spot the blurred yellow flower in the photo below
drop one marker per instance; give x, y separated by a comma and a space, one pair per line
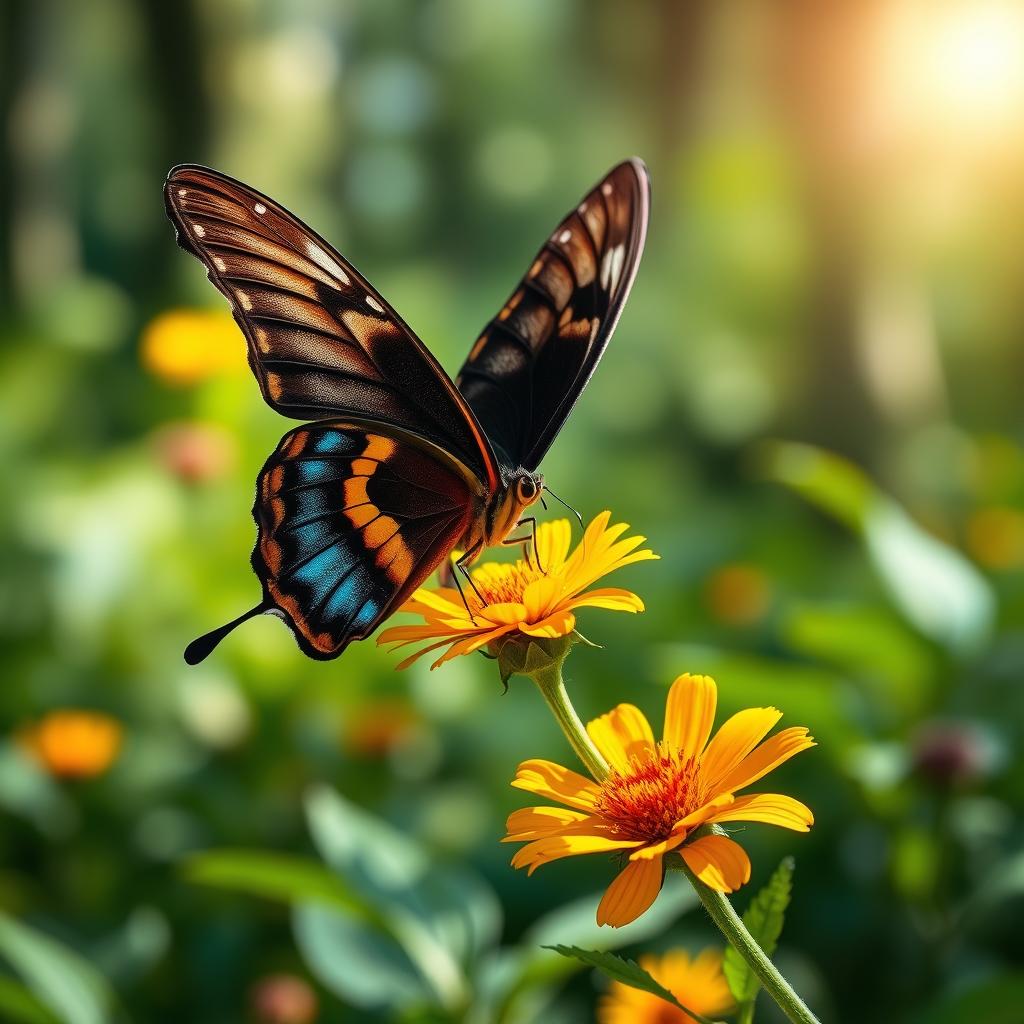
184, 346
519, 597
995, 537
657, 795
697, 983
74, 744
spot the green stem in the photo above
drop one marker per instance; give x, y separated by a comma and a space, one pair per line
746, 1014
729, 924
552, 688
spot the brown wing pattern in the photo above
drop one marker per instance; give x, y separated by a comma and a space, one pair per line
528, 367
322, 341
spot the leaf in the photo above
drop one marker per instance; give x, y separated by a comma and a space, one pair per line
275, 876
61, 979
935, 587
19, 1006
360, 965
628, 972
763, 919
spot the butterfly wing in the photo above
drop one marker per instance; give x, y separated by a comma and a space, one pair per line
528, 367
351, 521
322, 341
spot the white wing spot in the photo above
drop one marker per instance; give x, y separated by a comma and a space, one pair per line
219, 264
582, 208
244, 300
260, 209
606, 188
565, 236
374, 304
182, 192
611, 266
199, 229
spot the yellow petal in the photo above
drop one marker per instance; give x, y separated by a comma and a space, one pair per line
541, 596
536, 822
634, 889
444, 600
737, 737
560, 622
718, 862
621, 735
553, 539
610, 598
547, 779
469, 644
543, 851
508, 614
776, 749
773, 808
690, 713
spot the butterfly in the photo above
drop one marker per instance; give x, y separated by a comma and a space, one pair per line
397, 465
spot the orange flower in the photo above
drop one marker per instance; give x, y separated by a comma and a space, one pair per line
657, 795
184, 346
520, 598
75, 744
697, 983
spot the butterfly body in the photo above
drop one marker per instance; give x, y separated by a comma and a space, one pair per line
400, 465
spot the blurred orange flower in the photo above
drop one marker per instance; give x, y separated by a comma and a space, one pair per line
697, 983
74, 744
738, 595
519, 597
185, 346
657, 795
995, 537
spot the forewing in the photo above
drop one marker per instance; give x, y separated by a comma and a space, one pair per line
528, 367
351, 521
322, 341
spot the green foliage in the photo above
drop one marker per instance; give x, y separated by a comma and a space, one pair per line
57, 976
628, 972
764, 919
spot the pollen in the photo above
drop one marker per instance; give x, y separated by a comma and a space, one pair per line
645, 801
504, 584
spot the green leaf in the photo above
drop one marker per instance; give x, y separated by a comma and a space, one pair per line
274, 876
19, 1006
934, 586
60, 979
763, 918
628, 972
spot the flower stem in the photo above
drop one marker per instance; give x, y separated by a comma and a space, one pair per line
552, 688
729, 924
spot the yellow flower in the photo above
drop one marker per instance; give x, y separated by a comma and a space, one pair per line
184, 346
521, 598
697, 983
74, 744
658, 794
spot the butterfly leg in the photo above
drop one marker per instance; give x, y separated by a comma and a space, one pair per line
526, 542
460, 565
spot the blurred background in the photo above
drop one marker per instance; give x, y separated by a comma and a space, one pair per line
812, 408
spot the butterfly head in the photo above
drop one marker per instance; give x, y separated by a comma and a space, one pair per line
528, 487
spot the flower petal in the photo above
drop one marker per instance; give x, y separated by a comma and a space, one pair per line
621, 735
543, 851
559, 623
610, 598
634, 889
773, 808
541, 596
737, 737
545, 778
509, 613
690, 713
776, 749
553, 540
530, 823
469, 644
718, 862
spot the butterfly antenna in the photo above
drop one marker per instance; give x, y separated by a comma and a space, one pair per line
573, 511
201, 647
544, 504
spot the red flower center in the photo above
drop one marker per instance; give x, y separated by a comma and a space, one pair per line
647, 800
